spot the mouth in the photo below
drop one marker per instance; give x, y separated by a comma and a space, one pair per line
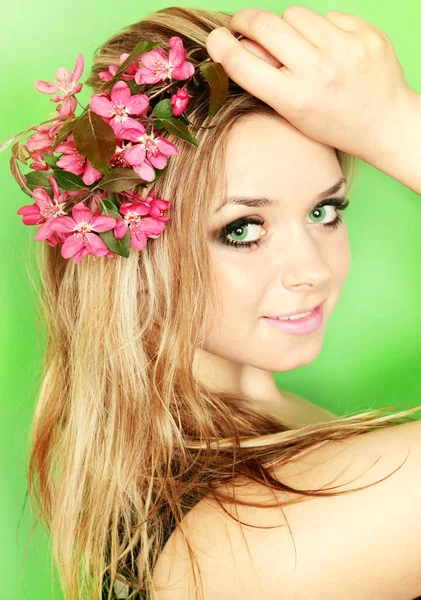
298, 324
297, 314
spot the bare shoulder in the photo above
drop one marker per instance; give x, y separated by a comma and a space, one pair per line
362, 545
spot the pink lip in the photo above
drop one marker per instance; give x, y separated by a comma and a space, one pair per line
301, 326
296, 312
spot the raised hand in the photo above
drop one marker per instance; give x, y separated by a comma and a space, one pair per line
336, 78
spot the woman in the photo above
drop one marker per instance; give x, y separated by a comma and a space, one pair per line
158, 392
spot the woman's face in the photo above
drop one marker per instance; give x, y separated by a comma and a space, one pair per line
300, 262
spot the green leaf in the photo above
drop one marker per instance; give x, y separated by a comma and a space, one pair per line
64, 132
51, 160
94, 139
120, 180
139, 49
215, 75
109, 204
36, 179
158, 124
196, 81
160, 172
162, 110
180, 129
69, 181
119, 246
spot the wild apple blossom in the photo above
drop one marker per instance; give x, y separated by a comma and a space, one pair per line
148, 152
117, 108
179, 102
157, 66
44, 212
82, 227
66, 84
138, 223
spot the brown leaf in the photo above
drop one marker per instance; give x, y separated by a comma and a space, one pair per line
94, 139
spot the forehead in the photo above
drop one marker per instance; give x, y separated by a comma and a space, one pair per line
266, 155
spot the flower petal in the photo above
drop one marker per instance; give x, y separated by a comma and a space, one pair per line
183, 72
145, 170
95, 245
120, 93
73, 244
81, 254
120, 229
63, 224
81, 213
133, 134
158, 160
152, 227
138, 104
177, 54
44, 231
30, 214
138, 239
135, 155
91, 174
45, 87
102, 223
166, 147
101, 105
78, 70
63, 77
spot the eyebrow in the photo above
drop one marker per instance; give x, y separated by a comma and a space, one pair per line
259, 202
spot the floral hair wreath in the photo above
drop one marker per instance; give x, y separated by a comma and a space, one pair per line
93, 162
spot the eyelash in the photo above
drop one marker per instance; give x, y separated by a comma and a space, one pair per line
339, 203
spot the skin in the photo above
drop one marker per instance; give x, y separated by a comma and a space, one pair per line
300, 262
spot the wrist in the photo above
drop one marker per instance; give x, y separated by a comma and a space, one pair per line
396, 148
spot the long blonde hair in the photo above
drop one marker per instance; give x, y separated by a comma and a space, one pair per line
123, 436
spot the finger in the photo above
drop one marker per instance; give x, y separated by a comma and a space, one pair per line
347, 21
250, 72
279, 38
260, 52
317, 29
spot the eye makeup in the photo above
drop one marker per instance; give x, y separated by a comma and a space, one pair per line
222, 236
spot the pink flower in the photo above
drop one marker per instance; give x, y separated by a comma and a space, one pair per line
43, 137
149, 152
66, 84
140, 226
76, 163
67, 108
158, 67
157, 206
39, 163
179, 102
117, 160
82, 240
45, 211
116, 110
128, 74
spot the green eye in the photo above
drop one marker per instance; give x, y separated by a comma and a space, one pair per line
320, 213
235, 233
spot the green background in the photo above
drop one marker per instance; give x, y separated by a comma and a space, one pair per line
372, 348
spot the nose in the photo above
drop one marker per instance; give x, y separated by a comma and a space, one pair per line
303, 266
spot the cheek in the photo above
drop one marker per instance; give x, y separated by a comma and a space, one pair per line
340, 259
239, 289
